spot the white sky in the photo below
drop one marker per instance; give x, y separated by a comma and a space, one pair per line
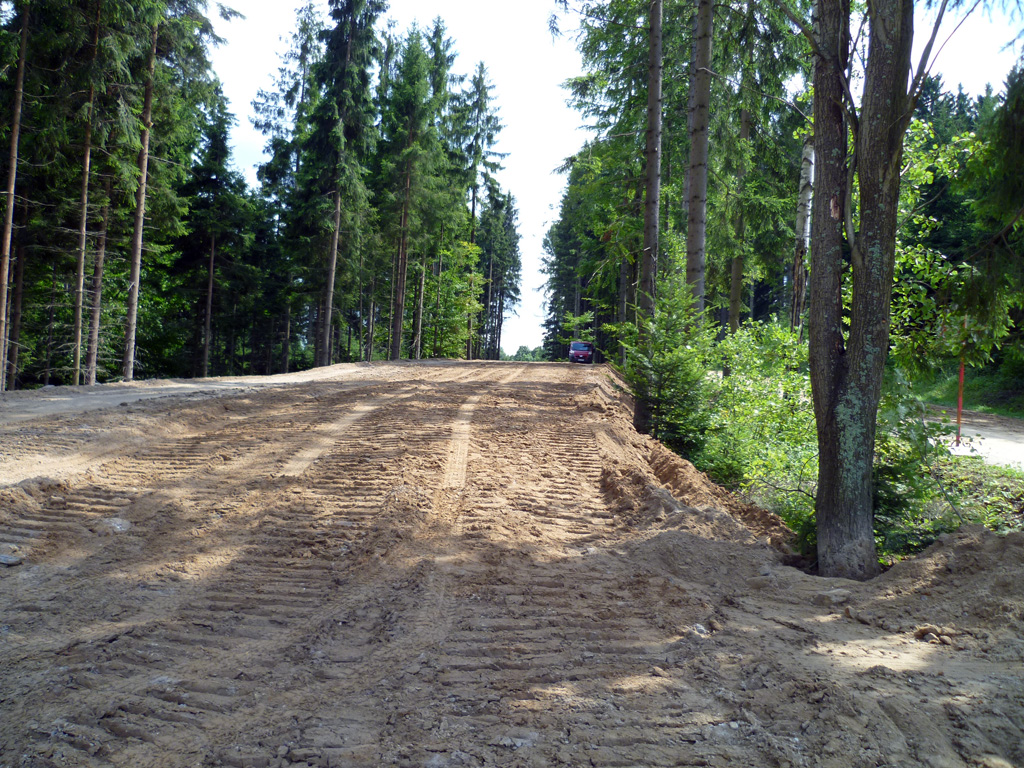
527, 69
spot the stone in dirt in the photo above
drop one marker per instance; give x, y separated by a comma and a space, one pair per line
10, 560
111, 525
833, 597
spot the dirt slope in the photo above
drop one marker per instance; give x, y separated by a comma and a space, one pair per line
457, 565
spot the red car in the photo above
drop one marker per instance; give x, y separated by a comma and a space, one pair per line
581, 352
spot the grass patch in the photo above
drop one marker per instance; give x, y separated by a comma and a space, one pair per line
988, 390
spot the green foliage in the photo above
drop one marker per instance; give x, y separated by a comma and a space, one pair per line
996, 388
667, 366
762, 439
526, 355
351, 112
452, 297
577, 328
990, 495
906, 446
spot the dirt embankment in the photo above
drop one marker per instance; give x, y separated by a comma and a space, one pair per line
457, 565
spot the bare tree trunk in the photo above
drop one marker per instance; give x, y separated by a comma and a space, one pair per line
128, 366
362, 308
318, 336
488, 318
371, 323
82, 242
736, 285
827, 345
652, 195
83, 220
97, 293
437, 310
12, 176
15, 320
469, 319
287, 340
846, 372
625, 276
401, 269
500, 318
472, 212
418, 338
49, 327
802, 228
332, 263
698, 173
208, 316
846, 544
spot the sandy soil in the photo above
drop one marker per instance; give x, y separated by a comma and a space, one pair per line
456, 565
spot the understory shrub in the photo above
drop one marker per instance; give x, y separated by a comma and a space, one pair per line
741, 411
667, 365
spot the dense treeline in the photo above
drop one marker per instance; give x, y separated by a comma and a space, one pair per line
133, 248
593, 250
959, 241
832, 244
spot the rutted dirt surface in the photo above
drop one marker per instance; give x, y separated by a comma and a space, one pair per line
457, 565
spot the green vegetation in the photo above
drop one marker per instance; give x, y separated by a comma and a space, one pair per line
752, 430
526, 355
377, 230
995, 389
813, 417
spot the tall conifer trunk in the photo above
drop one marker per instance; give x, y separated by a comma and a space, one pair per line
417, 342
208, 315
12, 176
697, 185
83, 219
332, 264
469, 318
97, 292
501, 320
401, 267
437, 308
51, 322
128, 362
371, 322
652, 195
16, 314
286, 352
488, 325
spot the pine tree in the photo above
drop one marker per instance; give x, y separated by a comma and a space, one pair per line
409, 153
12, 176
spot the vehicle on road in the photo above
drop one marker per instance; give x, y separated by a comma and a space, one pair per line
581, 352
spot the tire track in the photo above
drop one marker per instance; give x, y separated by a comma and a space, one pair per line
301, 548
546, 660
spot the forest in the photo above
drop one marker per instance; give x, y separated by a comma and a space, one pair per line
132, 246
783, 226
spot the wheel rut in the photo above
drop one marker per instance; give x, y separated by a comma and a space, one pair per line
285, 588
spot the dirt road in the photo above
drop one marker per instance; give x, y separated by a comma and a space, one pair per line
996, 439
457, 565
